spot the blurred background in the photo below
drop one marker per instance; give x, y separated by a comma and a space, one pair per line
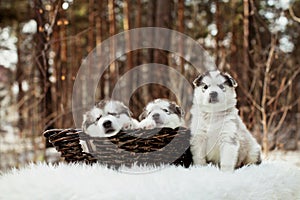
43, 42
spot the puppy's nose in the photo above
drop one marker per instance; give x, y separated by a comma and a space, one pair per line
155, 116
213, 95
106, 124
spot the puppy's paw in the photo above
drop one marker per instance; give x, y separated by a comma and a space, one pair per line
147, 124
127, 126
227, 168
199, 162
133, 124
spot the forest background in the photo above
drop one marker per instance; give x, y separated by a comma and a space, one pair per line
43, 43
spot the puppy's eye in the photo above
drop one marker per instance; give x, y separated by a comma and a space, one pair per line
97, 119
222, 87
205, 87
114, 114
165, 110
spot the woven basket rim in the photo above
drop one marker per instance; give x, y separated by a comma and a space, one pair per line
67, 141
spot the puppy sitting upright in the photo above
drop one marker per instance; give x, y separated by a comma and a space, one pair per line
161, 113
218, 134
107, 118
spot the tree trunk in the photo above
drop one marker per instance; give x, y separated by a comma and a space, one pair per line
219, 28
99, 22
181, 30
129, 57
42, 48
99, 37
162, 19
113, 70
127, 26
151, 23
20, 77
91, 26
246, 42
138, 23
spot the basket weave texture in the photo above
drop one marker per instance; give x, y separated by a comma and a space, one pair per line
142, 147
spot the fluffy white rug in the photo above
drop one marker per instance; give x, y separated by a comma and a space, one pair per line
270, 180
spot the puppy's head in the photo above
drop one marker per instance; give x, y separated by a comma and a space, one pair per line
164, 112
215, 91
106, 119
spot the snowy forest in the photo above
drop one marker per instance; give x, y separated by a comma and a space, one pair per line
44, 42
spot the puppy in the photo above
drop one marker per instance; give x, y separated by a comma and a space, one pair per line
218, 134
107, 118
161, 113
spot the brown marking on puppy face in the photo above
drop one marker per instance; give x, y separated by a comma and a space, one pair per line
229, 80
125, 110
120, 107
198, 81
143, 115
91, 117
174, 108
88, 121
101, 104
162, 104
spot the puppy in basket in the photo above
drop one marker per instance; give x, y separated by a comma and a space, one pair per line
161, 113
107, 118
218, 134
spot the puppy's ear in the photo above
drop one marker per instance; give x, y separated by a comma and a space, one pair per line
130, 113
229, 80
143, 115
87, 121
126, 110
176, 109
101, 104
179, 111
197, 82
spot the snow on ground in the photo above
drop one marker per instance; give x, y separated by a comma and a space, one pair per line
16, 150
292, 157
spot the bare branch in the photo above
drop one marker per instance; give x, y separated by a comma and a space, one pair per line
286, 109
267, 71
282, 89
294, 17
42, 70
257, 35
49, 31
258, 17
249, 96
264, 94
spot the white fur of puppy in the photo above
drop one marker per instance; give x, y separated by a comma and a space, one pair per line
107, 118
161, 113
218, 134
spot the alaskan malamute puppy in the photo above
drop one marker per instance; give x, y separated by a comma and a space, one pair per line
161, 113
107, 118
218, 134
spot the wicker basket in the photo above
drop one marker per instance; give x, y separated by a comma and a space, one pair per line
150, 147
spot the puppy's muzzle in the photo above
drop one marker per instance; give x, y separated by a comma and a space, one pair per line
213, 97
156, 118
107, 125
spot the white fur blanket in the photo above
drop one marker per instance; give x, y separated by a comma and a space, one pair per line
270, 180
